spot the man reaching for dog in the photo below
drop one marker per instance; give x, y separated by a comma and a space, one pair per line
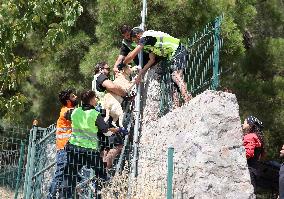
127, 46
163, 45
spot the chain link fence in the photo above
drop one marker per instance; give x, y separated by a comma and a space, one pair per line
12, 161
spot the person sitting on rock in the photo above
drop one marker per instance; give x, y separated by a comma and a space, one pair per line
253, 141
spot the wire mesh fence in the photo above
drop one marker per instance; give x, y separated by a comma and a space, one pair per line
12, 161
72, 172
201, 70
160, 176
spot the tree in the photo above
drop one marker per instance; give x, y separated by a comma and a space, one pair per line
18, 19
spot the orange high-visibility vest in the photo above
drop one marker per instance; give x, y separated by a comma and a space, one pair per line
63, 129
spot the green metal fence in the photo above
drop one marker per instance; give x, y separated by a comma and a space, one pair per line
12, 161
202, 69
41, 163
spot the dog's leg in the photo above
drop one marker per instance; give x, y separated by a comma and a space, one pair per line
107, 115
120, 121
114, 120
117, 112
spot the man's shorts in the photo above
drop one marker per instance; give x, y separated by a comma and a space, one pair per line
180, 59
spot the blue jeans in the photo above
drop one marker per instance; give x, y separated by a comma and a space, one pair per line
57, 181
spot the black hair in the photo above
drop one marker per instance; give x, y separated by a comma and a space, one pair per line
99, 66
64, 96
86, 96
124, 29
135, 31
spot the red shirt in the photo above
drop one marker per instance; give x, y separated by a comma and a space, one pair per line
251, 141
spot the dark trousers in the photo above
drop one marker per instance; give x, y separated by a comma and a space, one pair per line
253, 177
281, 182
67, 175
56, 183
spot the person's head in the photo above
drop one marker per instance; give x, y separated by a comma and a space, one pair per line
126, 31
68, 98
127, 70
136, 34
252, 125
102, 67
89, 97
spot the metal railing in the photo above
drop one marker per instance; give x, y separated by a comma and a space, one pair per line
202, 69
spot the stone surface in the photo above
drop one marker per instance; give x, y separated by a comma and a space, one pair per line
209, 159
151, 95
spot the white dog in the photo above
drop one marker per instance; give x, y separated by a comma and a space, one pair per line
112, 102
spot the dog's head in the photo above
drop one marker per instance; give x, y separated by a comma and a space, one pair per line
129, 70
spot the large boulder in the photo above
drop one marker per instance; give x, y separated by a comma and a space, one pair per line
209, 159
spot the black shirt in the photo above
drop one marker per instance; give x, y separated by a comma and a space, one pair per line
124, 50
99, 83
150, 41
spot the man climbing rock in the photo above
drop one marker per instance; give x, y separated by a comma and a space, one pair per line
161, 44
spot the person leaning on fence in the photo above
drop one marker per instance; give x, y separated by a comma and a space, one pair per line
63, 131
253, 141
84, 146
101, 82
281, 176
127, 46
163, 45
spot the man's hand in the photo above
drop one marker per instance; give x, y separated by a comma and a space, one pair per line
121, 65
282, 152
116, 71
122, 131
138, 79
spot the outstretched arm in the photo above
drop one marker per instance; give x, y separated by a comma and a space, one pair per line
133, 54
145, 68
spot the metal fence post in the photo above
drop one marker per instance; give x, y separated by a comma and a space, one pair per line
19, 172
170, 172
31, 163
28, 164
215, 82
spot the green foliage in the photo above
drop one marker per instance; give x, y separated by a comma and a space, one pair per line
270, 19
53, 18
259, 87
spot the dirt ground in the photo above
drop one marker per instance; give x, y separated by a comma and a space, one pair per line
6, 193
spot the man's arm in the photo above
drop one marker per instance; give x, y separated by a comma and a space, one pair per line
133, 54
118, 61
103, 127
145, 68
101, 124
110, 86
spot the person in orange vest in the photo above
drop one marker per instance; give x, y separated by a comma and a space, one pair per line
63, 132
